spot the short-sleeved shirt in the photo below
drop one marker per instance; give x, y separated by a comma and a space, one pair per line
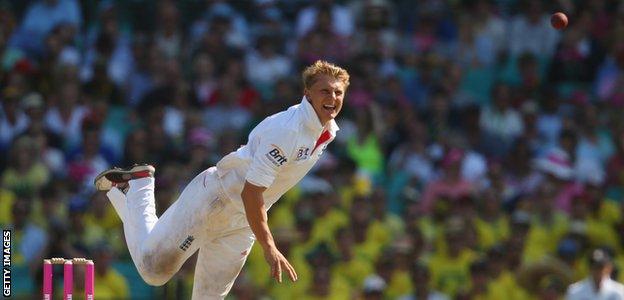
279, 152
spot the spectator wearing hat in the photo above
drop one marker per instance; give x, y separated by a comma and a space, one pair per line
598, 285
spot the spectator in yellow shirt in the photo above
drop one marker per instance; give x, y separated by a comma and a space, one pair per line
354, 268
397, 280
363, 232
548, 226
503, 283
26, 174
450, 267
491, 224
392, 224
328, 216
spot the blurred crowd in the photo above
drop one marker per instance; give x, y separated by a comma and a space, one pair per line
480, 156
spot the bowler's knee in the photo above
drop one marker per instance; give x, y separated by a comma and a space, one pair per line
153, 279
157, 269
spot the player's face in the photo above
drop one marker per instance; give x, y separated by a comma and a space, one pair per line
326, 96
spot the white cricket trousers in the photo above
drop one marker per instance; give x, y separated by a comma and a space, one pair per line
201, 218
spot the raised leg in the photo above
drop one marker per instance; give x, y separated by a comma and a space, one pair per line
159, 247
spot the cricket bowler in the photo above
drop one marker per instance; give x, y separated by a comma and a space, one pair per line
223, 210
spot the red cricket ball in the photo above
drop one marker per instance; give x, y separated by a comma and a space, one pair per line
559, 20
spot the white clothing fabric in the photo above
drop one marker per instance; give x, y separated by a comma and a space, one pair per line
584, 290
279, 152
69, 129
202, 218
209, 214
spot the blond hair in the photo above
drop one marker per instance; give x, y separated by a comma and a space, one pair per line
321, 67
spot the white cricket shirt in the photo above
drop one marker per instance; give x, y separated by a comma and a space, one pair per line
584, 290
279, 152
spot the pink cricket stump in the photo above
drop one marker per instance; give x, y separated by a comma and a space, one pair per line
68, 280
89, 280
47, 279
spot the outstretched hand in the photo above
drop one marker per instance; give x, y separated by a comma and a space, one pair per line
279, 263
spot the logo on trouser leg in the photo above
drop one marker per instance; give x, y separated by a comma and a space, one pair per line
187, 243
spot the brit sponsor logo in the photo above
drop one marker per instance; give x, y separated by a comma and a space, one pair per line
276, 156
187, 243
6, 263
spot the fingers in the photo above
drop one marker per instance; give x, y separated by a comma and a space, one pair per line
279, 263
274, 270
291, 271
279, 272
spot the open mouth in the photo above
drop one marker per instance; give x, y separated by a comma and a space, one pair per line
329, 108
